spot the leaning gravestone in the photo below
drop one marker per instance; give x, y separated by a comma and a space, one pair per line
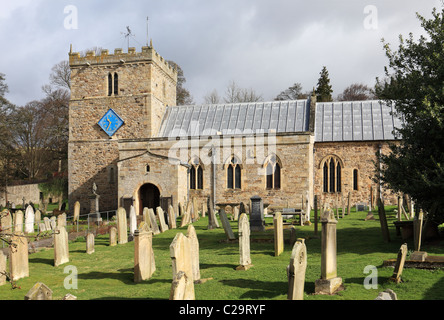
39, 291
144, 265
122, 227
212, 220
296, 271
244, 243
90, 243
18, 257
278, 234
194, 244
153, 221
383, 221
180, 252
257, 222
226, 224
179, 287
161, 217
61, 248
29, 219
399, 266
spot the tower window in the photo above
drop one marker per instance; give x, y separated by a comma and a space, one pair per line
110, 84
113, 84
116, 84
355, 179
332, 174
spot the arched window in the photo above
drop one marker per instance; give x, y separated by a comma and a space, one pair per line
116, 84
273, 174
110, 84
196, 175
234, 174
355, 179
332, 174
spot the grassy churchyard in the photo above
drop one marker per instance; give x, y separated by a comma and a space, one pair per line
108, 273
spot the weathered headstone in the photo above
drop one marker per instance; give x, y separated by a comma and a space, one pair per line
257, 222
76, 216
179, 286
296, 271
387, 295
194, 244
293, 236
329, 282
235, 213
61, 248
39, 291
278, 224
349, 203
18, 221
47, 224
161, 217
244, 243
61, 220
186, 217
180, 252
153, 221
171, 217
383, 221
132, 221
2, 268
212, 220
113, 236
18, 257
90, 243
144, 265
417, 230
399, 266
122, 227
38, 217
53, 222
226, 224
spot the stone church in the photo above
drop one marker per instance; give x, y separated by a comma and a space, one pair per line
128, 137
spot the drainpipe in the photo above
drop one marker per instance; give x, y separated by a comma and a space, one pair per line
213, 154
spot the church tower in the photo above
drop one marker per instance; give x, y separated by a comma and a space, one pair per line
114, 97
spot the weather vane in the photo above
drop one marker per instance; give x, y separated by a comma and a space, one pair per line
128, 34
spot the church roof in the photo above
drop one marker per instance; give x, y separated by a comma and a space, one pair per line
237, 118
355, 121
334, 121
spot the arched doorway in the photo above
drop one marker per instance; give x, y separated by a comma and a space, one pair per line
149, 197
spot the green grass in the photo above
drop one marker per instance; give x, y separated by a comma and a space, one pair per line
108, 272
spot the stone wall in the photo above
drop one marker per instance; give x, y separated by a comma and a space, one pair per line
352, 155
31, 193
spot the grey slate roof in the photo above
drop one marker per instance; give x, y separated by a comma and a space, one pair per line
334, 121
354, 121
242, 118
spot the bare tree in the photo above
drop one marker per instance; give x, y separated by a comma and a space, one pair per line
212, 97
61, 75
235, 94
356, 92
292, 93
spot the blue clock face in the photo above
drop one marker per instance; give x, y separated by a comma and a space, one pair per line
110, 122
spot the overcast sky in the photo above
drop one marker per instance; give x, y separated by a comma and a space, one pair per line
260, 44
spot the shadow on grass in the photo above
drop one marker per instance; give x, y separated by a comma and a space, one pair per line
42, 261
222, 265
436, 292
258, 289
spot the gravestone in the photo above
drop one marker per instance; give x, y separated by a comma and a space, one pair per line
5, 221
257, 222
144, 265
38, 217
226, 224
61, 220
18, 257
194, 244
179, 287
235, 213
90, 243
53, 222
18, 221
329, 282
47, 223
29, 219
122, 227
186, 217
387, 295
161, 217
417, 230
153, 221
61, 248
383, 221
212, 220
180, 253
278, 224
293, 236
296, 271
76, 216
3, 266
244, 243
399, 266
171, 217
132, 221
146, 216
112, 236
39, 291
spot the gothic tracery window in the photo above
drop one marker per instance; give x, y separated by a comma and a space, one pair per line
196, 175
273, 174
234, 174
332, 175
